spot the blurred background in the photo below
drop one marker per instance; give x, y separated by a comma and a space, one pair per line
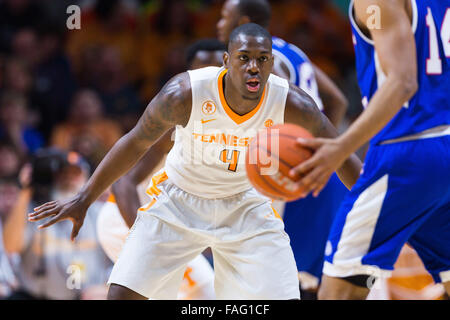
66, 96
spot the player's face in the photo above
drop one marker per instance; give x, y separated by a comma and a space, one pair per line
249, 63
207, 59
228, 21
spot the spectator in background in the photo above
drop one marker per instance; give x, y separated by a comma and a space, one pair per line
86, 130
15, 15
162, 39
109, 24
52, 267
25, 46
9, 160
205, 53
54, 83
120, 100
14, 126
2, 69
9, 191
18, 78
173, 62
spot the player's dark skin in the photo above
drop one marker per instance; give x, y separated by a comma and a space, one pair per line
248, 57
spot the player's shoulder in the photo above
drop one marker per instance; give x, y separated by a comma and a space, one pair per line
176, 91
299, 99
205, 73
278, 82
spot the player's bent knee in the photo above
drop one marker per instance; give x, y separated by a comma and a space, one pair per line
447, 287
360, 280
118, 292
348, 288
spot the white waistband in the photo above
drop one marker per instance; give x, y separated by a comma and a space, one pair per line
439, 131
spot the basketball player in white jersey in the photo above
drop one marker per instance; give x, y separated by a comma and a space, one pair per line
203, 198
119, 212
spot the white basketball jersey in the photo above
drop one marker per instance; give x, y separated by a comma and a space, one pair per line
208, 157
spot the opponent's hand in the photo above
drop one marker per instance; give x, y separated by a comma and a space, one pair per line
328, 156
73, 210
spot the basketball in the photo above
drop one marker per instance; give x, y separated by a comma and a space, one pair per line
271, 154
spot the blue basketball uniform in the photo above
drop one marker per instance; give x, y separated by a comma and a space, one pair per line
403, 194
301, 70
308, 221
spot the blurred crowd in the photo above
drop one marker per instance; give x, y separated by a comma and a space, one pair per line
66, 96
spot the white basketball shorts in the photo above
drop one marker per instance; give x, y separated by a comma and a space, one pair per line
252, 255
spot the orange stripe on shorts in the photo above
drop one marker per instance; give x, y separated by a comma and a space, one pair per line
156, 179
148, 206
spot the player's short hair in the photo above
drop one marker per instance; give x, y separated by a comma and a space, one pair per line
258, 11
249, 29
209, 45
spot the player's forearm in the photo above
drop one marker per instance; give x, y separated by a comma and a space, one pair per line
334, 108
124, 189
349, 172
121, 158
335, 103
127, 199
15, 224
385, 104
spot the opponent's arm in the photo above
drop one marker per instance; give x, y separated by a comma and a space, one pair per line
396, 50
335, 103
302, 110
124, 189
395, 46
170, 107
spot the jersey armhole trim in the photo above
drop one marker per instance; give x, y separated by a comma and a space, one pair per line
288, 64
415, 19
192, 102
355, 25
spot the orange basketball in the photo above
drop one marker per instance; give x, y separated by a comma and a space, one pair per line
271, 154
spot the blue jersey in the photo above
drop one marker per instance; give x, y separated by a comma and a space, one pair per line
430, 106
300, 68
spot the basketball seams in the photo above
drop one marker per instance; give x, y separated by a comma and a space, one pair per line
267, 183
280, 184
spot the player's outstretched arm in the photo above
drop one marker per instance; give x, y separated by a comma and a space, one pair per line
302, 110
124, 189
170, 107
395, 46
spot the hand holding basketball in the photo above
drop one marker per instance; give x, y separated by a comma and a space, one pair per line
328, 156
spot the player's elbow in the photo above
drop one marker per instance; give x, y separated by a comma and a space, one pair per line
408, 85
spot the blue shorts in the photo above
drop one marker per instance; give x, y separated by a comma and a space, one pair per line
308, 222
403, 195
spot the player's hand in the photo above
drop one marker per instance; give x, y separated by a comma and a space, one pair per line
328, 156
73, 210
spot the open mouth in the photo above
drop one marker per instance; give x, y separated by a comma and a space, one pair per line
253, 85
